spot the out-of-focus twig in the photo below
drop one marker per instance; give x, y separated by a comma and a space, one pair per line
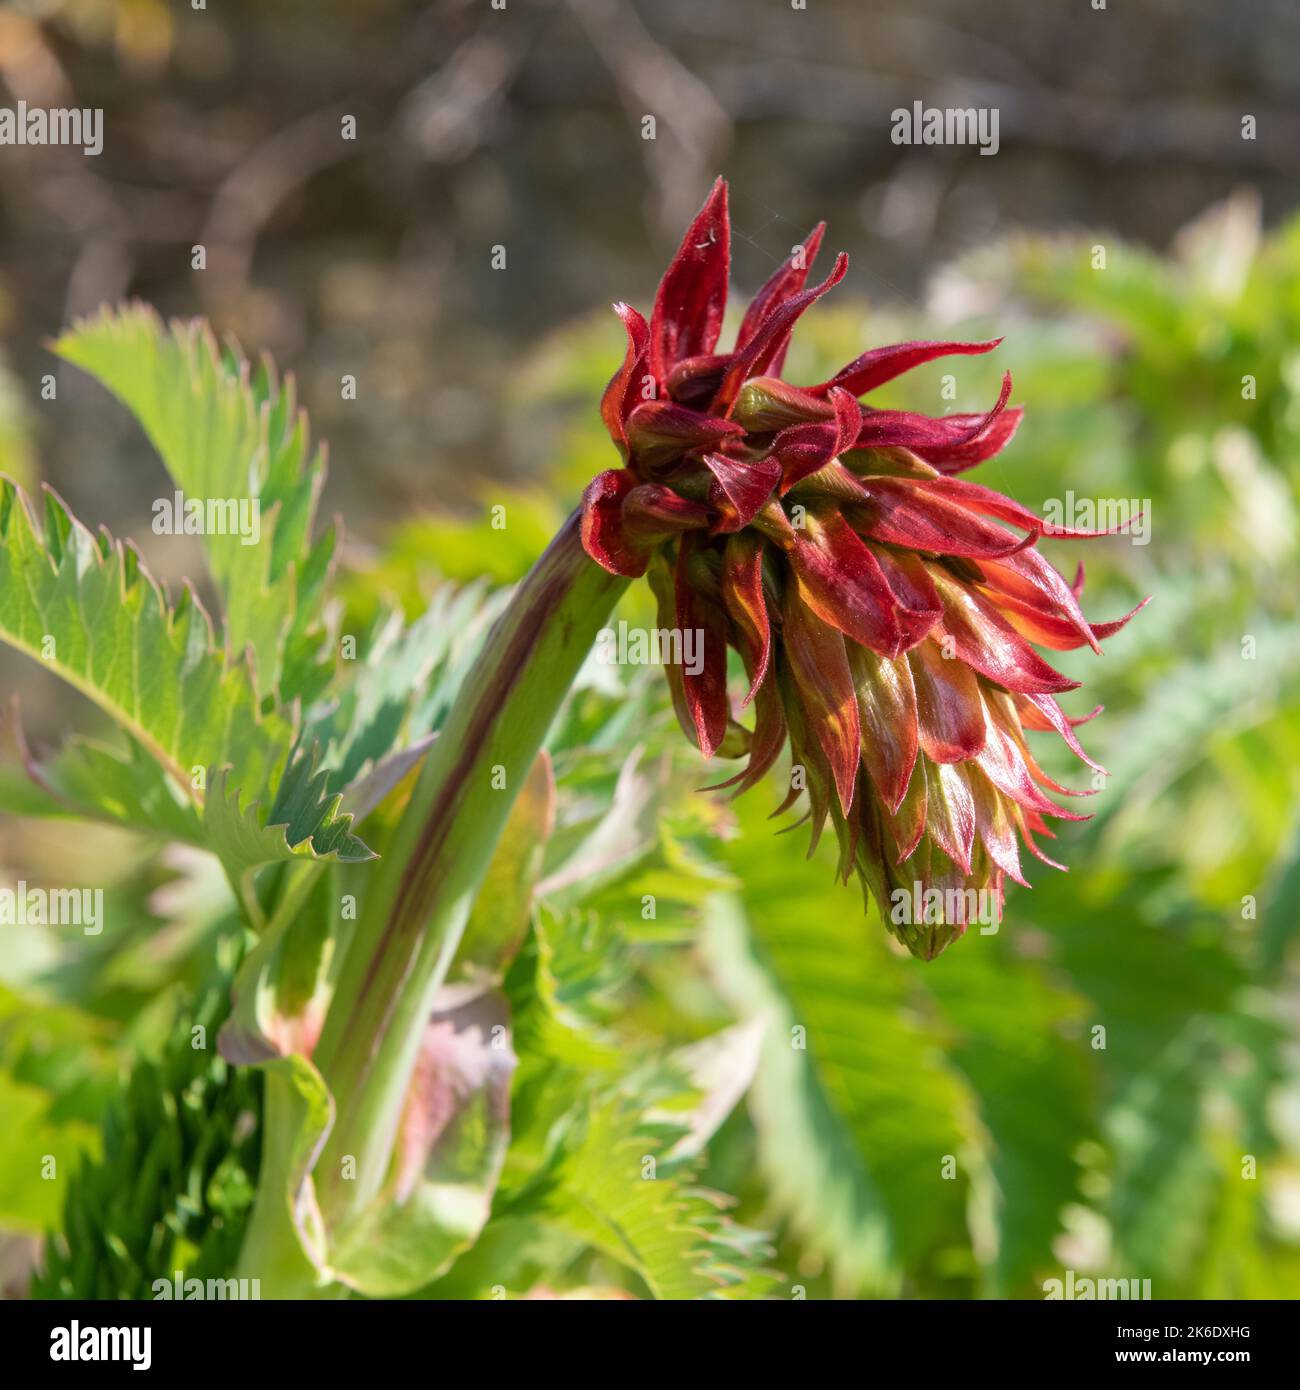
652, 81
445, 116
1192, 131
250, 194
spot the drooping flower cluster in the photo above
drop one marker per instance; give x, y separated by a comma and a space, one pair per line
882, 607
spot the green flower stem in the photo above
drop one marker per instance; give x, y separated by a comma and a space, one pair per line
416, 909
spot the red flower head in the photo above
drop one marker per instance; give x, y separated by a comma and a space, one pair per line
882, 607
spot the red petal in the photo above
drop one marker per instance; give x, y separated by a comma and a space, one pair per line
772, 337
950, 811
1109, 629
1081, 533
1049, 630
820, 667
897, 512
1035, 583
660, 432
705, 690
840, 580
990, 440
692, 295
949, 709
620, 394
653, 513
1055, 716
694, 381
887, 428
918, 607
1046, 629
1031, 718
785, 282
807, 447
802, 450
739, 488
1006, 763
848, 418
992, 646
997, 830
766, 742
1043, 780
977, 498
887, 713
742, 593
907, 823
604, 534
883, 364
1026, 825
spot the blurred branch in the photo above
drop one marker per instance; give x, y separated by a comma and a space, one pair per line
652, 81
1195, 132
446, 116
248, 197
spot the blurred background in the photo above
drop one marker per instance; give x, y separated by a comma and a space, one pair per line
1167, 372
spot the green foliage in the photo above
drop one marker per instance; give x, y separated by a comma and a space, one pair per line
86, 606
602, 1187
226, 430
173, 1189
1105, 1084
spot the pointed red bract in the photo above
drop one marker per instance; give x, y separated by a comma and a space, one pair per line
983, 443
883, 364
1055, 717
917, 606
896, 511
950, 811
604, 535
740, 488
990, 645
821, 670
661, 433
785, 282
692, 295
772, 336
950, 714
705, 689
621, 393
742, 593
887, 705
653, 513
840, 580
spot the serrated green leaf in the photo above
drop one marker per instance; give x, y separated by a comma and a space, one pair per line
87, 609
90, 780
226, 430
304, 823
608, 1187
